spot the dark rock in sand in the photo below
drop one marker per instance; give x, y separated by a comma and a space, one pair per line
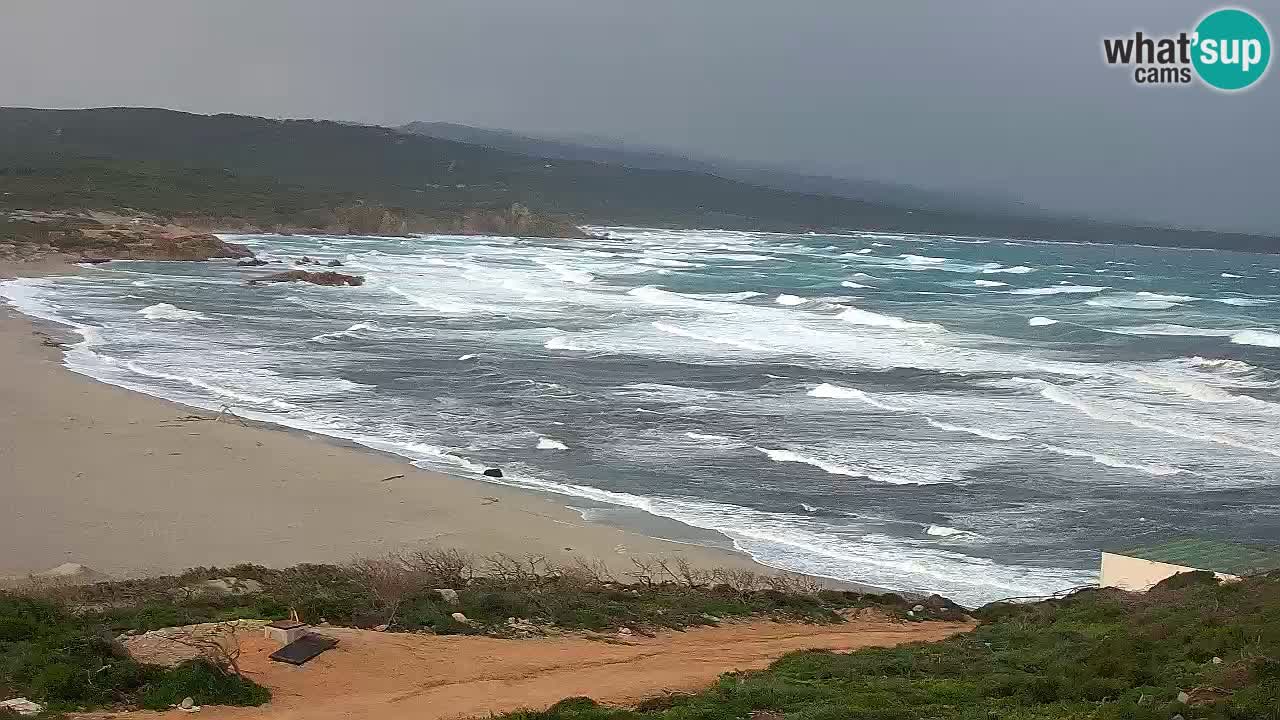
315, 278
493, 472
252, 262
94, 260
334, 263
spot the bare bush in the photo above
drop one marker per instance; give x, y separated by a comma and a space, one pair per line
218, 644
739, 580
446, 565
388, 579
522, 571
588, 573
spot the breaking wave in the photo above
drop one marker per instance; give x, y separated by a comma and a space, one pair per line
165, 311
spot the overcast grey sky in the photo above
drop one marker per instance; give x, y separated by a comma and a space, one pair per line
986, 95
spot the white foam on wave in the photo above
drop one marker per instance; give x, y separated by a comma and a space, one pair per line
1223, 364
716, 339
1015, 270
854, 316
730, 296
1131, 303
1105, 413
1231, 275
165, 311
468, 356
353, 331
854, 285
922, 259
1170, 329
1114, 462
785, 299
560, 343
668, 262
944, 531
549, 444
219, 390
790, 456
1243, 302
708, 437
1039, 321
442, 306
1259, 338
1059, 290
990, 283
568, 274
837, 392
666, 298
1166, 297
988, 434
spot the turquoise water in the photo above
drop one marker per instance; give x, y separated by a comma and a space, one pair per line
969, 416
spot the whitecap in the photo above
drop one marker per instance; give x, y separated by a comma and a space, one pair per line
165, 311
1170, 329
1231, 275
470, 356
988, 434
1243, 302
1058, 290
1039, 321
708, 437
854, 316
922, 259
944, 531
559, 343
790, 456
990, 283
1015, 270
668, 262
1105, 413
1112, 461
549, 444
1163, 296
716, 339
1259, 338
1131, 303
837, 392
785, 299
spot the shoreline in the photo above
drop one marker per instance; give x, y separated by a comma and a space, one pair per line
126, 484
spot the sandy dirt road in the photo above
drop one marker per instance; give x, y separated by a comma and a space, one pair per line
380, 676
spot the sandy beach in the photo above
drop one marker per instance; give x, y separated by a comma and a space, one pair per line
128, 484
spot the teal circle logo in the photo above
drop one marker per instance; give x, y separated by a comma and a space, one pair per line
1231, 49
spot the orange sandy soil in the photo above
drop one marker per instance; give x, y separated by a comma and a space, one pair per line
387, 676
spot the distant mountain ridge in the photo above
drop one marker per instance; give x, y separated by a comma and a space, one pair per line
282, 172
617, 152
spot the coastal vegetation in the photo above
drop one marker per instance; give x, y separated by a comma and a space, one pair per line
62, 645
229, 171
1191, 646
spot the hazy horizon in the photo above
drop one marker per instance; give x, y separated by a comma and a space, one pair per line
991, 98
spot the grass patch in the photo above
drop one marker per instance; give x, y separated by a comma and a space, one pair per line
1098, 654
70, 662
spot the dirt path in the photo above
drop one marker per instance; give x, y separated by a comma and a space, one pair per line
379, 676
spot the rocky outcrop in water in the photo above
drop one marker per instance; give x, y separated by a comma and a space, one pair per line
315, 278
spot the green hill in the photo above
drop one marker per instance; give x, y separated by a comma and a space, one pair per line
276, 170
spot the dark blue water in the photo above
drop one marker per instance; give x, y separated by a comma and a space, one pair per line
973, 417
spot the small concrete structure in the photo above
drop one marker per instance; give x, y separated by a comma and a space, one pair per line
285, 631
1138, 569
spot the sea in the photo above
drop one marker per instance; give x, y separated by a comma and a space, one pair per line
975, 417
